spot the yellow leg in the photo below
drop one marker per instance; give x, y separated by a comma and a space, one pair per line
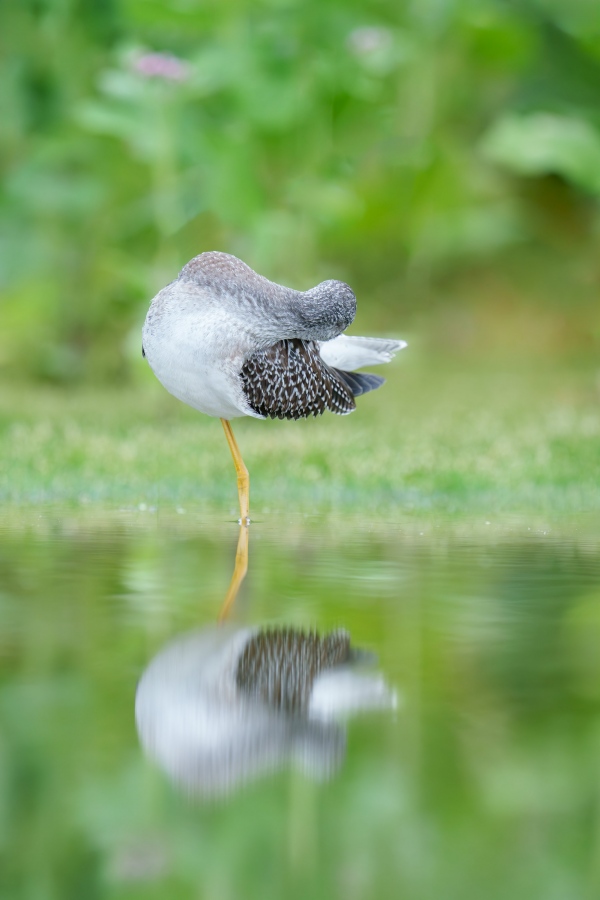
243, 479
239, 573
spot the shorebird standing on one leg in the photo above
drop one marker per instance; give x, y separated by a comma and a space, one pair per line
231, 343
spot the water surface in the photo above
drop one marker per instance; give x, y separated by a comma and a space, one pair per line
482, 779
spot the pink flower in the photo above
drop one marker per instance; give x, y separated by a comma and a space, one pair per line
161, 65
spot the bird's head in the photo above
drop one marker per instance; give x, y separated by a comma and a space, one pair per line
327, 310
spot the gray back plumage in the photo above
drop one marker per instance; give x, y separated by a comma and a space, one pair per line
318, 314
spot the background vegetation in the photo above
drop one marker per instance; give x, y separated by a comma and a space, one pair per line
440, 155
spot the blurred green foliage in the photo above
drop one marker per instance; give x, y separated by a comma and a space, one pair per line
427, 151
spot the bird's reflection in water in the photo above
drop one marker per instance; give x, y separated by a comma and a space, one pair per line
219, 707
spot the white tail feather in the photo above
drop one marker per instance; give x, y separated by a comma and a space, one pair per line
349, 353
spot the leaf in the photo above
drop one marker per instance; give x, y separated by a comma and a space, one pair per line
545, 143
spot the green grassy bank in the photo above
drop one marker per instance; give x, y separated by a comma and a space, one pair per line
434, 438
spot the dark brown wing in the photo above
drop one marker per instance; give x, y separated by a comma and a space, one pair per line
290, 381
279, 665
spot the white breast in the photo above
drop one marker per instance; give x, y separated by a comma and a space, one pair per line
197, 357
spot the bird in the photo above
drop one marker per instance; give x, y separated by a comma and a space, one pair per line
219, 706
228, 342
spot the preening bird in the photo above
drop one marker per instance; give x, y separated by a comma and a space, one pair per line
231, 343
218, 707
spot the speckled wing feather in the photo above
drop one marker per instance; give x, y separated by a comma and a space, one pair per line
280, 665
290, 381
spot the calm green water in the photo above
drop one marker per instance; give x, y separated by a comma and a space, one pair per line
484, 781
